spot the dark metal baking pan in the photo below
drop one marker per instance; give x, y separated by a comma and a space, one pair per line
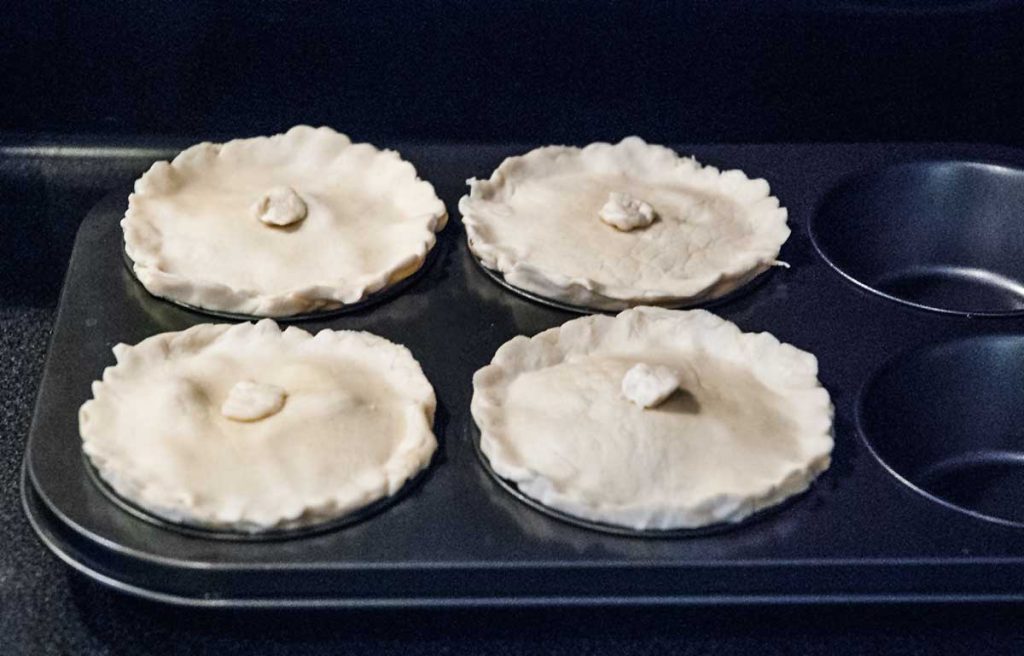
459, 538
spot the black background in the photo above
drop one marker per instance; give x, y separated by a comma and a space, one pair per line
521, 70
503, 70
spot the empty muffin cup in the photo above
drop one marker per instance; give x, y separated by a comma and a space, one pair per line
946, 236
948, 421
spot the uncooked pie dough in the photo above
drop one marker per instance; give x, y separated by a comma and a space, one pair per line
612, 226
276, 226
748, 425
247, 427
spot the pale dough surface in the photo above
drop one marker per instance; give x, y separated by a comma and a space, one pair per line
750, 426
356, 424
192, 235
536, 221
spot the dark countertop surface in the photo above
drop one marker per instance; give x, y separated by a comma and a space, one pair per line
45, 608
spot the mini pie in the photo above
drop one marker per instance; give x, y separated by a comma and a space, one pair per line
247, 427
276, 226
612, 226
560, 417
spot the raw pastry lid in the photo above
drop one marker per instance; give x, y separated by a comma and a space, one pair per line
367, 222
750, 427
173, 430
536, 220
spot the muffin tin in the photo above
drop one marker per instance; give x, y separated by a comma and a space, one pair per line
922, 501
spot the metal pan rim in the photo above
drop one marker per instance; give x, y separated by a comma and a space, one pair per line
496, 276
237, 535
376, 298
614, 529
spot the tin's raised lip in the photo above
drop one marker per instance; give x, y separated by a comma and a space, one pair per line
270, 535
377, 298
924, 307
740, 291
473, 433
